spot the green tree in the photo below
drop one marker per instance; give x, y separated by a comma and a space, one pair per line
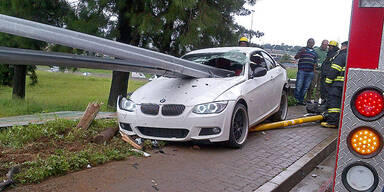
285, 58
86, 16
175, 27
50, 12
172, 26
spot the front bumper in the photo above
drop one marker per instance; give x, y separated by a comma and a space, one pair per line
184, 127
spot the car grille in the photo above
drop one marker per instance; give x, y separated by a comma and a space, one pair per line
163, 132
150, 109
172, 110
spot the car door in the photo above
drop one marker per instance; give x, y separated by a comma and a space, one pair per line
257, 90
277, 79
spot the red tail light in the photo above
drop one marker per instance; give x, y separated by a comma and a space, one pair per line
368, 104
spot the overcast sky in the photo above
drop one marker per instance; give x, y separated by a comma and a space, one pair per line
294, 21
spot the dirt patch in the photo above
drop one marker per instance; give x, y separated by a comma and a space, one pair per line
38, 149
41, 148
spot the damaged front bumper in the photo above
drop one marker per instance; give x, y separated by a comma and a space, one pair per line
184, 127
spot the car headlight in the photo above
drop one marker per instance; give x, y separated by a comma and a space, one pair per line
127, 104
209, 108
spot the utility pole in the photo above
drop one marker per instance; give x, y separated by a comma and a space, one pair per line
253, 11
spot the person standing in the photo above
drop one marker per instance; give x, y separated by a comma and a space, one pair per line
243, 42
335, 81
314, 88
325, 67
306, 66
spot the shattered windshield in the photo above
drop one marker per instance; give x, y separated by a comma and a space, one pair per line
233, 60
205, 58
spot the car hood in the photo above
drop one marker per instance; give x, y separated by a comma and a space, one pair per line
184, 91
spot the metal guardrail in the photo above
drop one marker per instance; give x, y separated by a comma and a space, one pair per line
292, 82
130, 54
292, 86
22, 56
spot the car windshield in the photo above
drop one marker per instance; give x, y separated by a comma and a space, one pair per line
232, 60
204, 58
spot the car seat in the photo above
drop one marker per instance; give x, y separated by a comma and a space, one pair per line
226, 64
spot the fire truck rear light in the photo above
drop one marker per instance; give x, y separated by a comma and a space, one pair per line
364, 142
368, 104
360, 176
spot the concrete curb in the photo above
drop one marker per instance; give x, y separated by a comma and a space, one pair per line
287, 179
42, 118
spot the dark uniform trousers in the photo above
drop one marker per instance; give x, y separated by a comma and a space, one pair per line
333, 104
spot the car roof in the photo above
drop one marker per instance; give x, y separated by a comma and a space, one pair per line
225, 49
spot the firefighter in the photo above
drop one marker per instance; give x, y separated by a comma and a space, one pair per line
243, 42
335, 81
333, 48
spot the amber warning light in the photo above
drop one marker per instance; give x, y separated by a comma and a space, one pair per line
368, 104
364, 142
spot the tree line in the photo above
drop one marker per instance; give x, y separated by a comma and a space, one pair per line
169, 26
282, 47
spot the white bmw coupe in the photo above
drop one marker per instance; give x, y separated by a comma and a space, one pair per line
214, 109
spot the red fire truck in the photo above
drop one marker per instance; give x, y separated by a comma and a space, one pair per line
360, 160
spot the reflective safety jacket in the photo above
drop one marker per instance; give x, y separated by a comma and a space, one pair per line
335, 75
326, 65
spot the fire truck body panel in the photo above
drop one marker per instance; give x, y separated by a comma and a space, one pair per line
364, 71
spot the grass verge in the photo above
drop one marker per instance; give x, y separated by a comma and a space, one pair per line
59, 92
291, 101
291, 73
56, 148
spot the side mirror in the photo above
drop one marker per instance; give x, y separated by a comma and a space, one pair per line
259, 72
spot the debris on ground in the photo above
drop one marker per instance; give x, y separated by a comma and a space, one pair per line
7, 182
142, 144
89, 115
89, 166
135, 165
155, 185
129, 140
314, 175
145, 154
196, 147
263, 133
105, 135
155, 144
139, 141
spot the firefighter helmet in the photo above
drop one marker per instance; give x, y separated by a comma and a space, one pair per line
334, 43
243, 39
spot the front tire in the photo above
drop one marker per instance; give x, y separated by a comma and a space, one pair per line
281, 115
239, 127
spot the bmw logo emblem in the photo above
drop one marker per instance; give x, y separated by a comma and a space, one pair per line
162, 100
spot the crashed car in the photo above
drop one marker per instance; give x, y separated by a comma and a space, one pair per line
213, 109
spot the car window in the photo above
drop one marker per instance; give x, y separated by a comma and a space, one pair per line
269, 61
258, 59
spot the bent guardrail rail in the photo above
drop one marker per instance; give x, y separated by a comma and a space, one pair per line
23, 56
129, 53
